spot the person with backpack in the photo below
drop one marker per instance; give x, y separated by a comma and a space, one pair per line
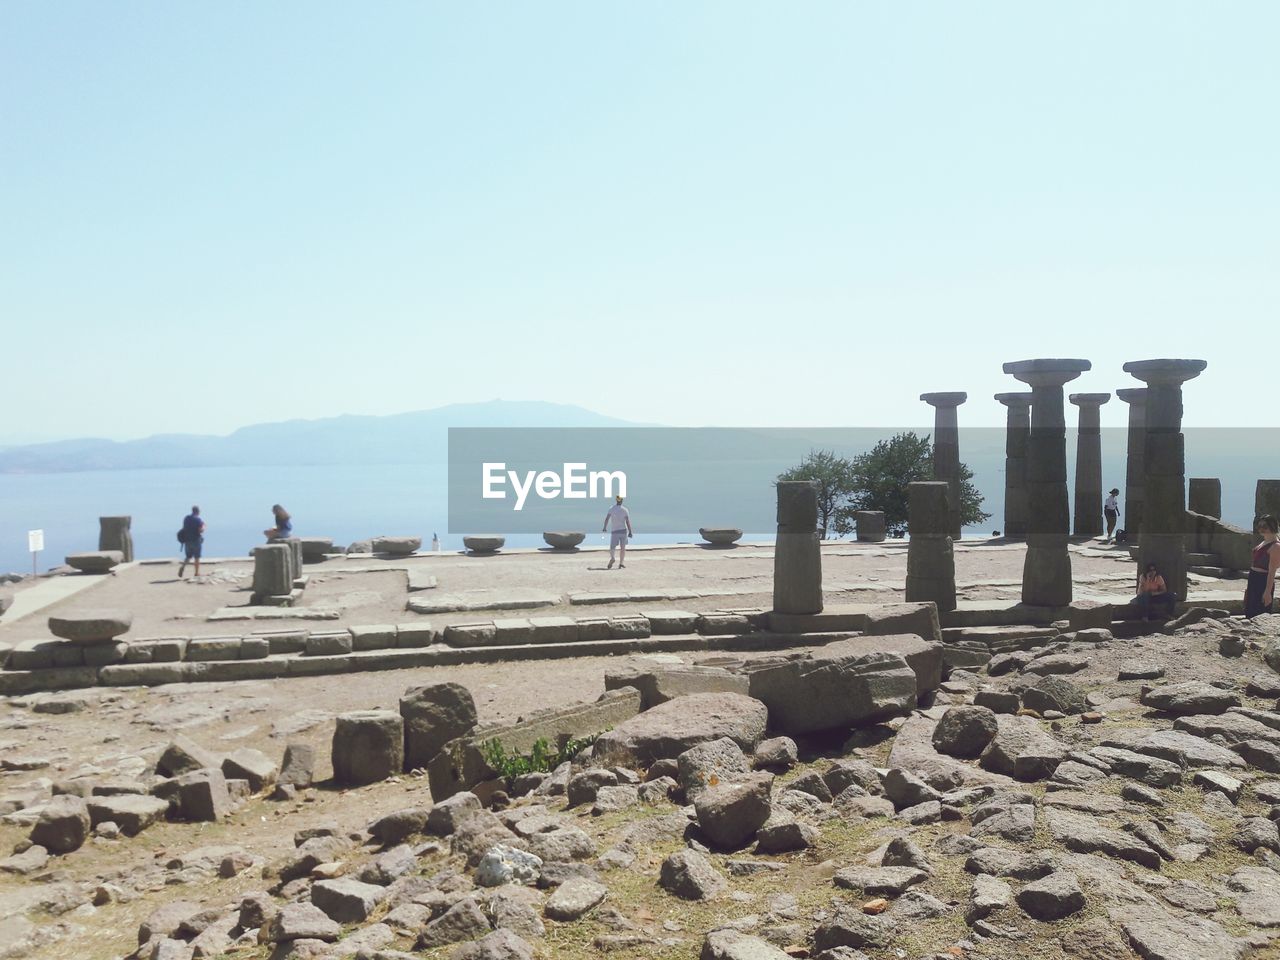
191, 536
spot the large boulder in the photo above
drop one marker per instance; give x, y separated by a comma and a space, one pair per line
368, 746
840, 686
1022, 749
433, 715
965, 731
920, 618
91, 626
1190, 698
63, 824
702, 766
396, 546
671, 728
729, 814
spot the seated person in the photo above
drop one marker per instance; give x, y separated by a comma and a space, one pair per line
1153, 594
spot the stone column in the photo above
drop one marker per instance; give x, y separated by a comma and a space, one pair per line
295, 554
1164, 505
1204, 496
1046, 571
931, 567
114, 534
797, 561
272, 572
1134, 475
1088, 499
1266, 500
946, 448
1017, 437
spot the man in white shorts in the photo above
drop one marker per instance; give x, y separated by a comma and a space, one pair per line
618, 522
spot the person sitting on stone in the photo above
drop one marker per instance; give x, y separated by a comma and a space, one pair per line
1153, 593
284, 524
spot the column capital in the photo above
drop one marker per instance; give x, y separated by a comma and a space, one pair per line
1022, 399
1046, 372
1089, 399
1136, 395
944, 399
1165, 372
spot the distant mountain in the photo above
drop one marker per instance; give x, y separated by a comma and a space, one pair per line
417, 437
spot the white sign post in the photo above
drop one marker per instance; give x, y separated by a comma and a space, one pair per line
35, 543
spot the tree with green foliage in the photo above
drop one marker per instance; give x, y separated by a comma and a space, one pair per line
877, 480
881, 477
835, 479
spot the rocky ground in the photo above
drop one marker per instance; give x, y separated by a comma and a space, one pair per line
1076, 796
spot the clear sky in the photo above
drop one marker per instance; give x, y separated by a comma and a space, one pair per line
689, 213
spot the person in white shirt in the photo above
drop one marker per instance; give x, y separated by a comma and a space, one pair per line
1111, 510
618, 522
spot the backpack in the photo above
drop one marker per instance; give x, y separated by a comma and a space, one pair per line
182, 535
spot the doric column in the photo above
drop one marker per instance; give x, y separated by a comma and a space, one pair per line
946, 448
1088, 499
797, 560
1017, 437
931, 566
1164, 504
1134, 475
1046, 571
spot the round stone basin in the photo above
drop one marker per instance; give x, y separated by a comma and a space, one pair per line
396, 546
484, 544
563, 540
720, 536
91, 626
95, 561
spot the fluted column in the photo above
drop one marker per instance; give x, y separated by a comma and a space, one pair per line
1046, 571
1164, 504
1134, 476
1017, 438
946, 449
1088, 498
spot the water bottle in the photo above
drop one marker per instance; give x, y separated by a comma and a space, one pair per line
435, 543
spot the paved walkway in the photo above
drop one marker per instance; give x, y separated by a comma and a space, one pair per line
50, 591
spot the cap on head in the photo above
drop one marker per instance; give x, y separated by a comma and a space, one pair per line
618, 498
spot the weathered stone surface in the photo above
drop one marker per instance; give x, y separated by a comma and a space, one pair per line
501, 944
965, 731
63, 824
462, 921
506, 864
298, 766
575, 898
477, 544
797, 560
839, 686
850, 927
1083, 834
1053, 897
879, 881
1191, 698
1022, 749
987, 895
671, 728
776, 753
563, 539
449, 814
433, 715
783, 833
690, 876
1152, 771
346, 900
301, 921
250, 765
731, 944
1157, 934
203, 795
1054, 693
720, 536
710, 762
368, 746
660, 684
132, 813
729, 814
396, 546
91, 626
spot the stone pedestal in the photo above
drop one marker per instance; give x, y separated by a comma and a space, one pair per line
114, 534
931, 567
1017, 439
295, 556
1134, 475
368, 746
1088, 498
1046, 571
797, 561
1164, 507
1266, 500
946, 449
870, 525
1204, 496
272, 572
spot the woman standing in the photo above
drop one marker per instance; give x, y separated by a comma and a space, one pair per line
1111, 510
1260, 591
284, 524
